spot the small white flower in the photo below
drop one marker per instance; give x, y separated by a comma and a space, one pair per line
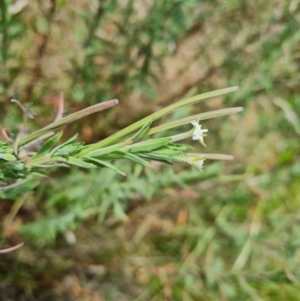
196, 161
199, 163
198, 133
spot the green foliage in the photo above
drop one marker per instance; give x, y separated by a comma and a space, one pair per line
102, 191
227, 233
137, 48
16, 165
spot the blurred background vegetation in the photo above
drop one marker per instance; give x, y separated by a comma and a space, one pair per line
171, 233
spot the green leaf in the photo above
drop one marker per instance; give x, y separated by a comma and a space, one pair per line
79, 162
134, 158
148, 145
14, 165
142, 131
102, 163
180, 147
71, 140
60, 165
8, 157
70, 149
157, 157
106, 150
50, 165
39, 173
18, 190
47, 146
189, 119
6, 148
119, 212
167, 152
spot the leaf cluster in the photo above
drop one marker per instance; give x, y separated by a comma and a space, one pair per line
17, 163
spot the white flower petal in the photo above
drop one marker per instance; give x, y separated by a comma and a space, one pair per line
198, 132
200, 163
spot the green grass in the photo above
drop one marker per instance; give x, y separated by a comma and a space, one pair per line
228, 233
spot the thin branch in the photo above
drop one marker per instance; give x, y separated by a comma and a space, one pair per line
6, 135
7, 187
36, 73
11, 249
86, 43
69, 119
95, 23
23, 128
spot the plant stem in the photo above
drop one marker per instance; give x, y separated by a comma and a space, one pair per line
69, 119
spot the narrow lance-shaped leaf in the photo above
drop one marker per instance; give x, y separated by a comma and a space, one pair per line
106, 150
142, 131
135, 158
71, 140
119, 211
164, 154
69, 119
157, 157
189, 119
40, 138
79, 162
14, 165
180, 147
148, 145
47, 146
102, 163
7, 157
